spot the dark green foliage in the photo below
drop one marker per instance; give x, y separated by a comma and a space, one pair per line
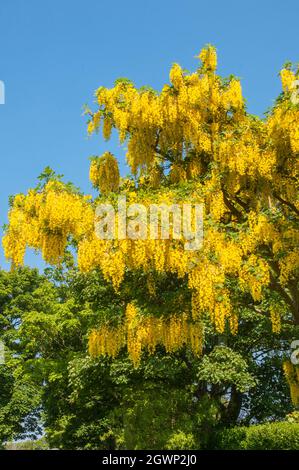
20, 394
171, 401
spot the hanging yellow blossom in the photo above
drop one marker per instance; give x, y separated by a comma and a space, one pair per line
208, 56
104, 173
146, 332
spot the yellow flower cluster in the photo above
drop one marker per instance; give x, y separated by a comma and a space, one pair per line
213, 198
262, 231
292, 375
146, 332
106, 341
94, 252
283, 132
282, 238
244, 156
254, 275
289, 267
113, 256
283, 124
175, 120
44, 220
287, 79
275, 316
208, 56
232, 97
210, 295
104, 173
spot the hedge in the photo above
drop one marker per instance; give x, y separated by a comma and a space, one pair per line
270, 436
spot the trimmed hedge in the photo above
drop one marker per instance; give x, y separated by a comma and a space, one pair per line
270, 436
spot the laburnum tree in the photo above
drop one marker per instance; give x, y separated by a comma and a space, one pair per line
194, 142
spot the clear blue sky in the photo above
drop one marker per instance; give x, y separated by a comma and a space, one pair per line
54, 54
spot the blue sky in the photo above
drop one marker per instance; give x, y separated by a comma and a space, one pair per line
54, 54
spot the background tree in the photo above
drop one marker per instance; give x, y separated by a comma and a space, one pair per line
20, 394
